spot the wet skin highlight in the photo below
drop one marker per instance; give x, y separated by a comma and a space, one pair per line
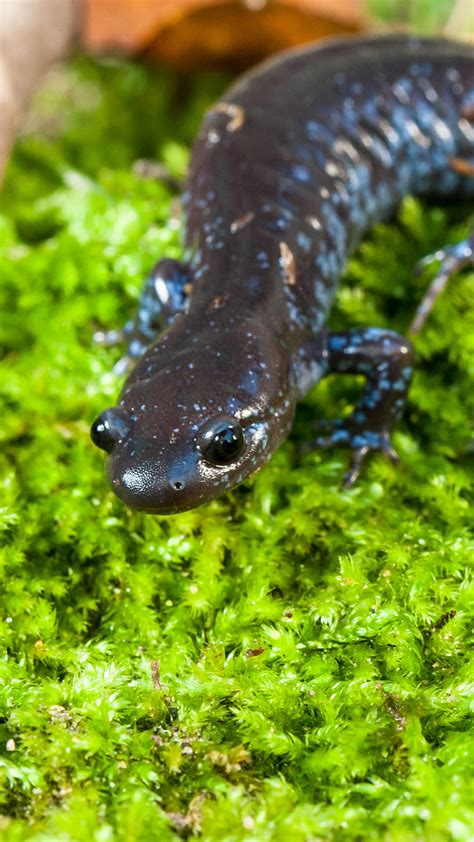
288, 171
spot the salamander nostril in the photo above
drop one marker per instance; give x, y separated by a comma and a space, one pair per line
178, 485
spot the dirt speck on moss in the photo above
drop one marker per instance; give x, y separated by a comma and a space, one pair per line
130, 708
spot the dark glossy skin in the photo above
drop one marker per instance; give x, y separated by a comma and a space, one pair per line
288, 171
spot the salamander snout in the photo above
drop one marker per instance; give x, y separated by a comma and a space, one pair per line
145, 480
111, 426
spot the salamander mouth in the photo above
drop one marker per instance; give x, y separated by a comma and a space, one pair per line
147, 484
171, 499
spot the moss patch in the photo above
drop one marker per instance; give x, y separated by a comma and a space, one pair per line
287, 663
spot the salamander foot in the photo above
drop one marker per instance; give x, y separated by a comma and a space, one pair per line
165, 294
347, 433
386, 361
451, 260
113, 338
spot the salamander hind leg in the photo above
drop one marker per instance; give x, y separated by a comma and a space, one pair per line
451, 260
386, 360
163, 296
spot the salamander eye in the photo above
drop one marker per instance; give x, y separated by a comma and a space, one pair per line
223, 444
111, 426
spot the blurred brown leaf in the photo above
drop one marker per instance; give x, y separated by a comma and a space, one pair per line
186, 34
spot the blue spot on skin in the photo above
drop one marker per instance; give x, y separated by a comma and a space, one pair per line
300, 173
263, 260
337, 342
304, 241
136, 348
372, 399
368, 439
373, 334
250, 383
313, 129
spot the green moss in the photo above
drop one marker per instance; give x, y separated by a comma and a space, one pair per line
314, 676
429, 17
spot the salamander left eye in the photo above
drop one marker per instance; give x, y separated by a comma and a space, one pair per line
111, 426
224, 445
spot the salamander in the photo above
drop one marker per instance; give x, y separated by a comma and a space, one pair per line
289, 169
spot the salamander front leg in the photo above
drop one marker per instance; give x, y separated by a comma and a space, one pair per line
386, 360
163, 296
451, 260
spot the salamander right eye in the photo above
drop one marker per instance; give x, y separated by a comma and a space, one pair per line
111, 426
223, 442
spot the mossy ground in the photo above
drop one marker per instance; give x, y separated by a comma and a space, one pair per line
289, 662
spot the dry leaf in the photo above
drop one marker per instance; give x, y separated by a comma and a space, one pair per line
191, 33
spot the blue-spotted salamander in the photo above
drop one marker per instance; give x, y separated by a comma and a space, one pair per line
288, 171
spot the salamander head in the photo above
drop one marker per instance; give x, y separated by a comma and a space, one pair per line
198, 426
